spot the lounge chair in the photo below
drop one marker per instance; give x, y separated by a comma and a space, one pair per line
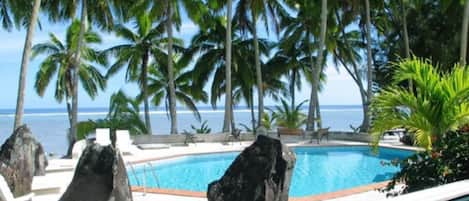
323, 132
5, 192
103, 136
123, 142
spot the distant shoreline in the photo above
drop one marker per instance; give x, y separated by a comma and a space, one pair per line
155, 111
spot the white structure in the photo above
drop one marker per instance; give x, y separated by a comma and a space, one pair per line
103, 136
123, 142
440, 193
5, 192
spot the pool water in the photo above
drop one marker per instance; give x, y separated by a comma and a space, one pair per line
317, 169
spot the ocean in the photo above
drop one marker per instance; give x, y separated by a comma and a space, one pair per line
50, 125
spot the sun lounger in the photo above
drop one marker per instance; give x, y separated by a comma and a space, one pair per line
51, 183
5, 192
103, 136
78, 148
123, 142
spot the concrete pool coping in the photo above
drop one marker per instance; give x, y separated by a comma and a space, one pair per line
323, 196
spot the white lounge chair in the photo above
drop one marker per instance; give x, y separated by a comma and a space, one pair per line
123, 142
5, 192
103, 136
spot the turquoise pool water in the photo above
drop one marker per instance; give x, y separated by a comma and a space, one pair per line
317, 169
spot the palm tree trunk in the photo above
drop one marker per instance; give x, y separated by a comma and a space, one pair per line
75, 75
463, 52
145, 91
369, 65
404, 28
24, 65
314, 103
172, 90
406, 36
292, 88
253, 115
310, 126
228, 108
258, 72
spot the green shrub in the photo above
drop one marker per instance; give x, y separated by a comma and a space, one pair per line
447, 162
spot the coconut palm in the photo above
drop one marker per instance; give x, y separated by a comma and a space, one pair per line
439, 102
59, 64
136, 54
210, 45
100, 13
169, 12
186, 94
25, 58
288, 117
246, 15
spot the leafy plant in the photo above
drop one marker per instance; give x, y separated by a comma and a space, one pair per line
203, 129
124, 114
288, 117
447, 162
268, 120
438, 103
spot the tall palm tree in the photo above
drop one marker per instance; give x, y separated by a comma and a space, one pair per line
437, 105
369, 71
314, 115
60, 63
24, 64
247, 15
137, 52
100, 13
228, 96
465, 24
186, 94
169, 13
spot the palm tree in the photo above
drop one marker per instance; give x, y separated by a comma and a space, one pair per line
24, 64
99, 13
186, 94
314, 115
369, 71
465, 24
437, 105
346, 53
247, 14
59, 63
136, 53
228, 96
169, 13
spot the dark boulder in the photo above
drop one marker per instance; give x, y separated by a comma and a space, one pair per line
99, 176
21, 158
262, 172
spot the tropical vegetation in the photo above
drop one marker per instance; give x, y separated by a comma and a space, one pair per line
437, 103
446, 163
230, 56
287, 117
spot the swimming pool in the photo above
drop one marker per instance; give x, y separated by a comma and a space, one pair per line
317, 170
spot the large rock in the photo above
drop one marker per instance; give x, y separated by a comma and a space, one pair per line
99, 176
262, 172
21, 158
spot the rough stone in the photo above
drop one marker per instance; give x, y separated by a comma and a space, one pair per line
99, 176
21, 158
262, 172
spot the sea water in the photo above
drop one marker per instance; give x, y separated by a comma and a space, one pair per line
50, 125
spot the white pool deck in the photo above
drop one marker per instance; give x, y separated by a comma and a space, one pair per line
60, 171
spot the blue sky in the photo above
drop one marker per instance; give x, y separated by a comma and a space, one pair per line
340, 88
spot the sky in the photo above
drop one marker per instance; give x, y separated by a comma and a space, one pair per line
340, 88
